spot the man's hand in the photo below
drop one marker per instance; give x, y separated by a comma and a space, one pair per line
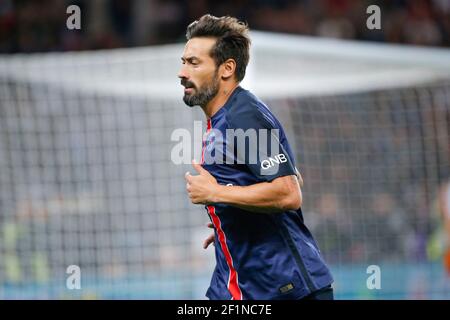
203, 187
210, 238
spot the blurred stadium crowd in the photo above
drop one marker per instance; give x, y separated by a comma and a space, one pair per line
40, 25
375, 196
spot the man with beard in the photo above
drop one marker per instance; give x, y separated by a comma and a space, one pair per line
263, 248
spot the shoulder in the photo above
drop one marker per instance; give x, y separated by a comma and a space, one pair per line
247, 111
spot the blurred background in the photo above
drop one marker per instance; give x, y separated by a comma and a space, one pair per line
30, 26
87, 122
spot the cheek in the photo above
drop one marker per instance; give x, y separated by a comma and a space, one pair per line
203, 77
196, 75
198, 80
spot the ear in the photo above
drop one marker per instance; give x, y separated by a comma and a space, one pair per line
228, 68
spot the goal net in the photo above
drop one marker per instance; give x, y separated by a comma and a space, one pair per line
88, 179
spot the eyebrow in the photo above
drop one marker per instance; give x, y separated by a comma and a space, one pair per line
190, 59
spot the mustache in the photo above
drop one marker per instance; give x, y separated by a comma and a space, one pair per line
187, 84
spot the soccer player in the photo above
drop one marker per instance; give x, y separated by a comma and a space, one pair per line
263, 248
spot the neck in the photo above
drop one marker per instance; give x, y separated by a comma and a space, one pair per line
219, 100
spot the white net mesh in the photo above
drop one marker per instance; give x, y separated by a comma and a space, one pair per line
86, 176
373, 164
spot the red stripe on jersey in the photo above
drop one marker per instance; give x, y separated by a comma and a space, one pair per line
233, 285
208, 128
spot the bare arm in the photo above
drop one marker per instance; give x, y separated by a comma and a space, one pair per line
279, 195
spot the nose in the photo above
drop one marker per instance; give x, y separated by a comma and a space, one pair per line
182, 73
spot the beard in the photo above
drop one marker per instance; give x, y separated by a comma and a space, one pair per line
204, 94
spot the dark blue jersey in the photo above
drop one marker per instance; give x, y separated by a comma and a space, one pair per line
259, 256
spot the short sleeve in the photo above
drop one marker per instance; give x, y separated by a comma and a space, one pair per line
257, 143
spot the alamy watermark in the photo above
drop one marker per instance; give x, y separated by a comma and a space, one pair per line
73, 22
237, 146
73, 281
373, 22
374, 280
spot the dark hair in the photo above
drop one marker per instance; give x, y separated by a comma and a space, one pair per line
232, 40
